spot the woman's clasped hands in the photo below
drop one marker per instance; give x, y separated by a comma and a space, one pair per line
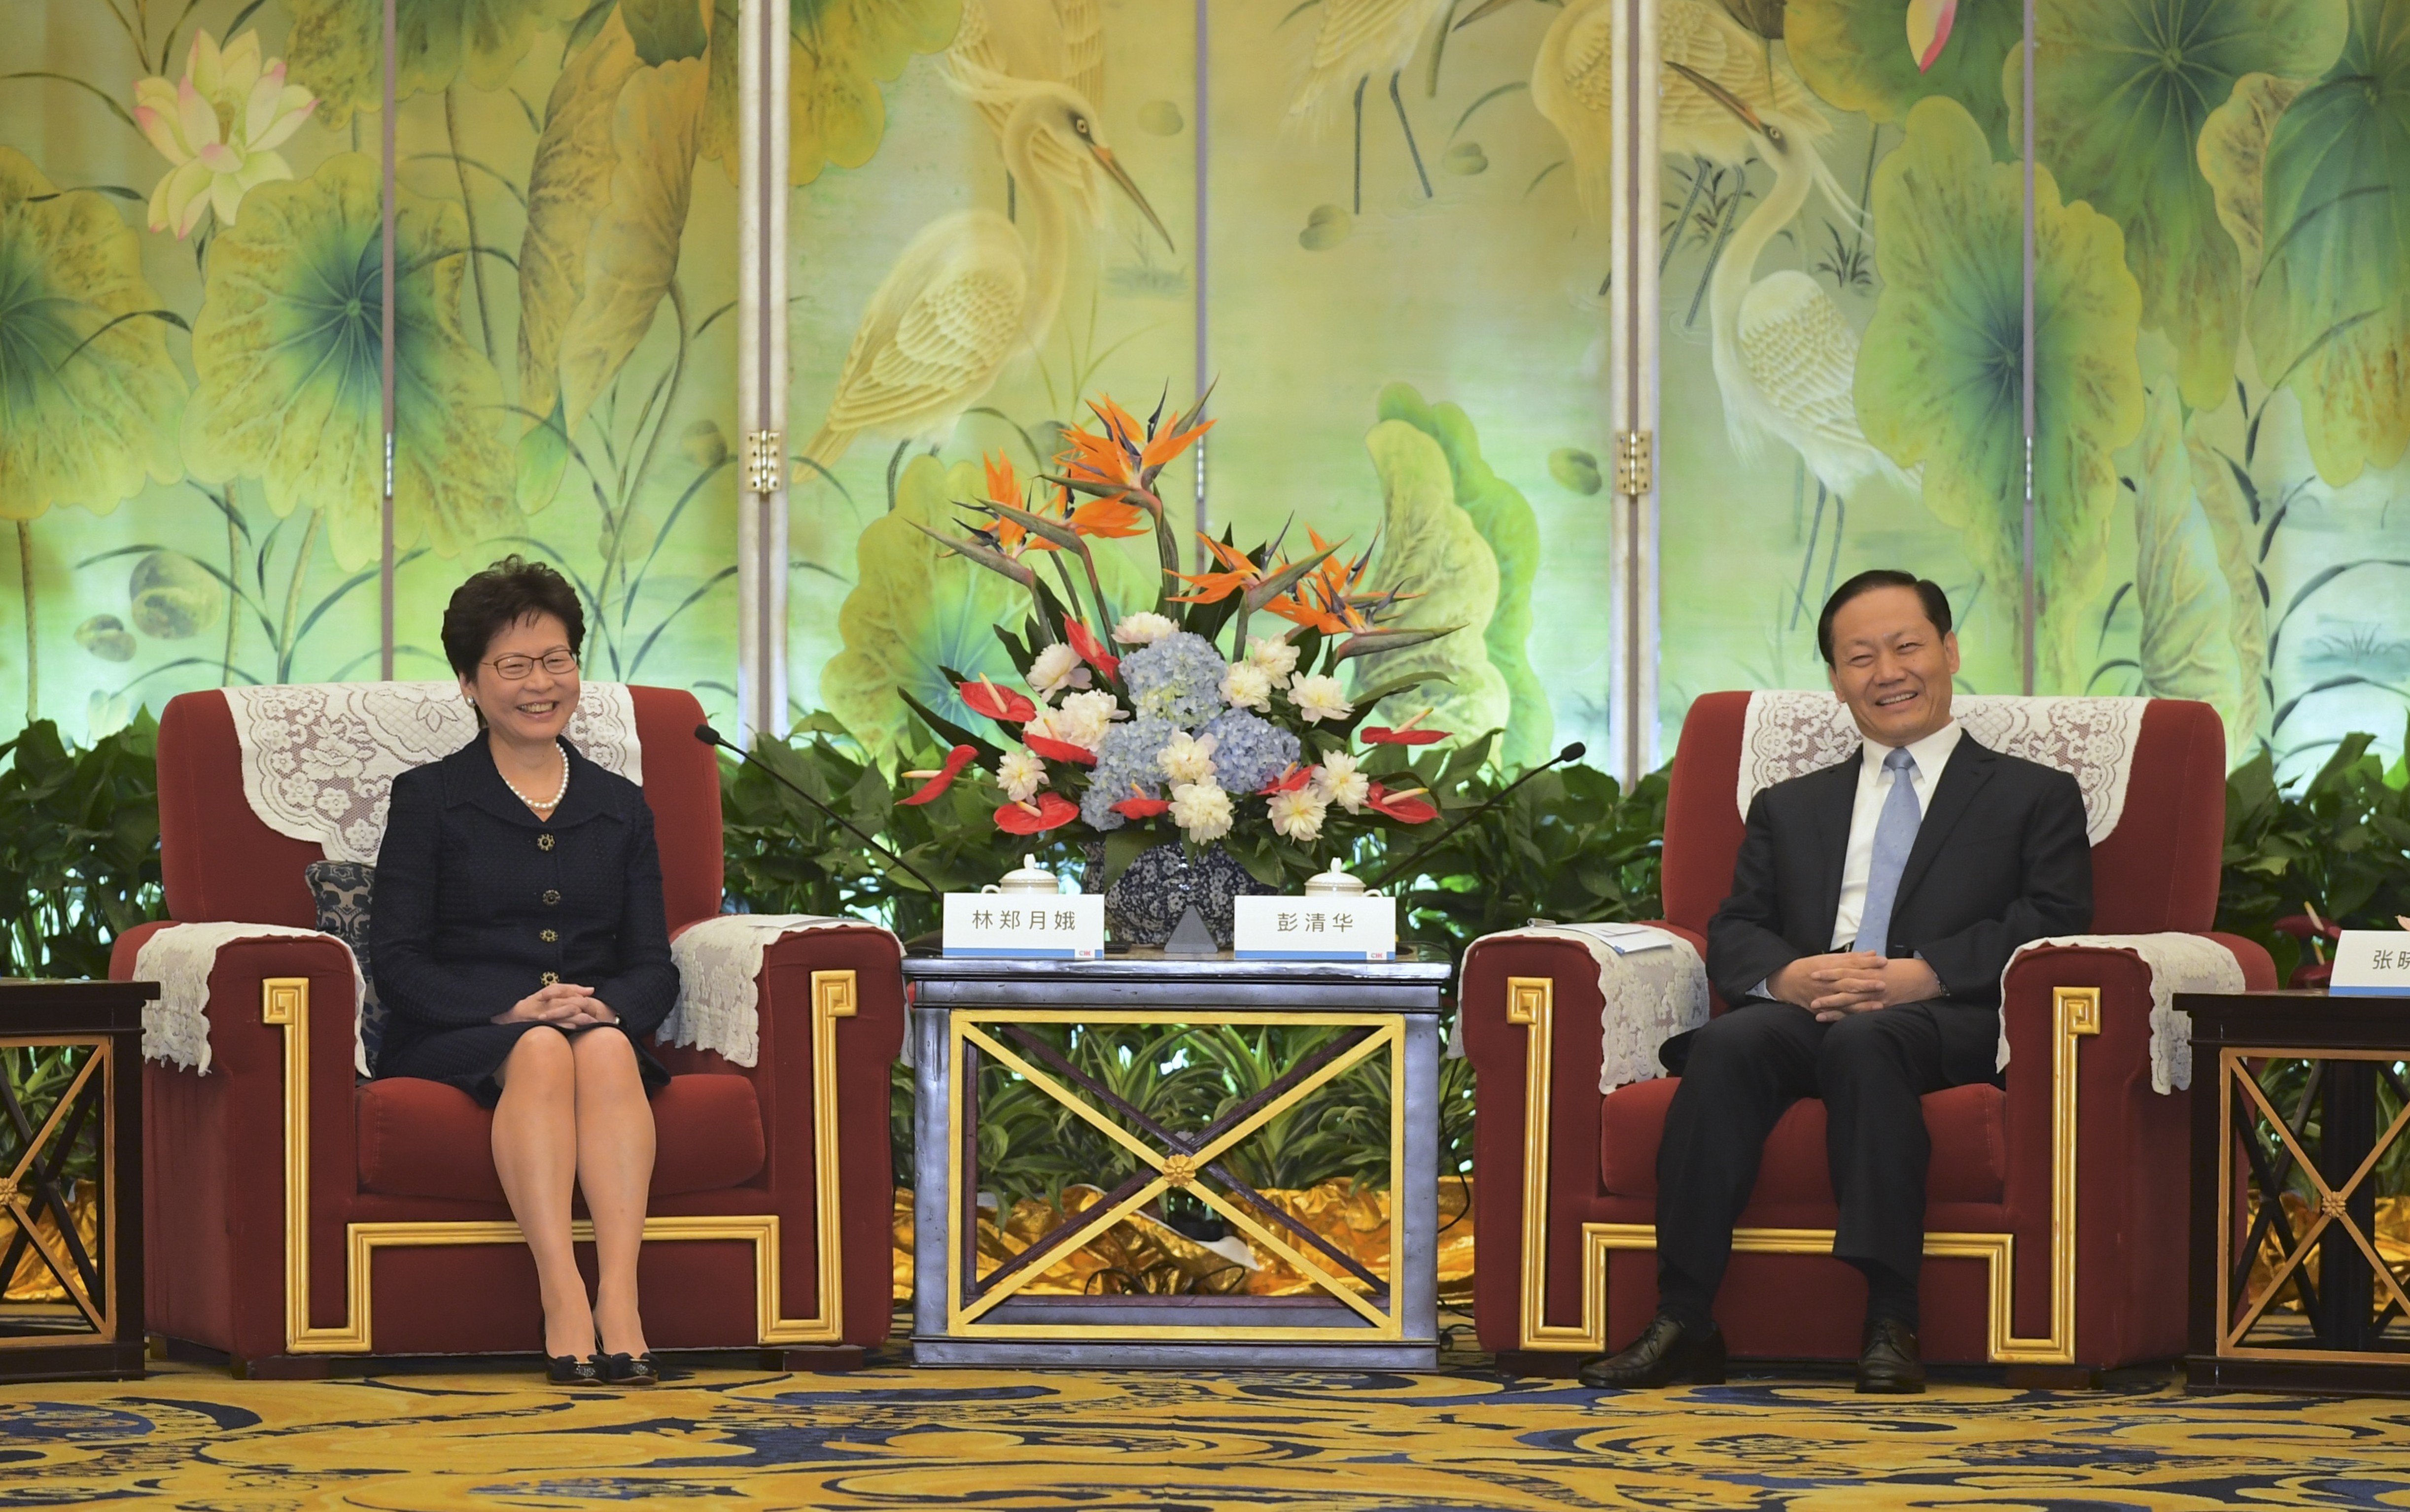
564, 1005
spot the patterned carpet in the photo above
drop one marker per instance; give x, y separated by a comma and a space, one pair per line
893, 1437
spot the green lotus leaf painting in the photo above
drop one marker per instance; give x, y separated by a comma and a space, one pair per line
1431, 547
336, 47
1855, 54
1512, 531
607, 198
2233, 155
89, 396
2188, 646
1939, 379
2237, 537
839, 53
2121, 89
289, 356
2331, 317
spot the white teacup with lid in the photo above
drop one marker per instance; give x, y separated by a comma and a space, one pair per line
1336, 882
1025, 880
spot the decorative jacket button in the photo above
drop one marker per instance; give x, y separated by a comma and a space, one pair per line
550, 978
548, 936
543, 842
551, 896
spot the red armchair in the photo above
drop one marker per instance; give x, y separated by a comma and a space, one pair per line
2055, 1215
298, 1214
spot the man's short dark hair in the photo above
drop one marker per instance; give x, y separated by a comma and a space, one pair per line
1937, 603
490, 602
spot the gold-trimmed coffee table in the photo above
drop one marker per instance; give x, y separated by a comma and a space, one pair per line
1016, 1015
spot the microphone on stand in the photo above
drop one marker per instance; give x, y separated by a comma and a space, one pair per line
709, 736
1571, 752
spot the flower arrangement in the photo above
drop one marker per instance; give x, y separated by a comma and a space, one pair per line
1179, 722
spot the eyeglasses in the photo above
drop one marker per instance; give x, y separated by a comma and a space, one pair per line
512, 667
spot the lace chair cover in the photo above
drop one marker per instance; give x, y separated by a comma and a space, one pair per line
319, 759
1792, 732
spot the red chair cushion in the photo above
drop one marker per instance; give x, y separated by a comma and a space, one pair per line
431, 1139
1971, 1147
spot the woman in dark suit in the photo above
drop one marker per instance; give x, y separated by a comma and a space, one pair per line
520, 941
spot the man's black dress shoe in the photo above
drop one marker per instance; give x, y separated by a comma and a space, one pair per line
1665, 1353
1889, 1364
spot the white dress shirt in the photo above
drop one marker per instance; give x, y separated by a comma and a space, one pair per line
1930, 754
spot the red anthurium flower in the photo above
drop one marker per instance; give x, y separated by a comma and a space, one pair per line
1002, 704
1054, 749
1406, 808
1143, 807
1092, 650
943, 778
1047, 811
1383, 735
1288, 781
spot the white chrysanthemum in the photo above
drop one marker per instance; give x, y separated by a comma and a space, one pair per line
1276, 656
1318, 699
1247, 686
1337, 781
1201, 810
1021, 774
1056, 668
1143, 628
1186, 758
1298, 813
1082, 719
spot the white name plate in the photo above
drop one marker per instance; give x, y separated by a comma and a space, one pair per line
2371, 963
1064, 926
1315, 928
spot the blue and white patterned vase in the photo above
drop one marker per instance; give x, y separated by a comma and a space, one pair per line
1145, 903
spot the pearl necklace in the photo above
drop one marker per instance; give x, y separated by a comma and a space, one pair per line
547, 805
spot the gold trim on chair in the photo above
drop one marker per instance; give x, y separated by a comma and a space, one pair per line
1531, 1002
284, 1000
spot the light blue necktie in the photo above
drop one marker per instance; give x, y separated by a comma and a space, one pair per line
1894, 837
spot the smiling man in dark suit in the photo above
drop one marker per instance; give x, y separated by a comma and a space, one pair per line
1875, 904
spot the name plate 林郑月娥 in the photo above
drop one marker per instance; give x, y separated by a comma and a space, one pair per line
1341, 928
1063, 926
2371, 963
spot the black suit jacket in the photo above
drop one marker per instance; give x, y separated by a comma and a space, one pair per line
469, 886
2000, 860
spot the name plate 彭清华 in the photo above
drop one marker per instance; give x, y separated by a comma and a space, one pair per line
1336, 928
1064, 926
2371, 963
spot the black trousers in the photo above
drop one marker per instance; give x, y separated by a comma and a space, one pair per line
1745, 1066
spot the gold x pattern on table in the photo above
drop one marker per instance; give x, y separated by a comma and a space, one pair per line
1185, 1157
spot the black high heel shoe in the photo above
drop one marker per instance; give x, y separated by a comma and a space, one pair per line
628, 1370
569, 1369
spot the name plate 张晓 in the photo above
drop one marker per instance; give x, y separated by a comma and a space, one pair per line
2371, 963
1063, 925
1315, 928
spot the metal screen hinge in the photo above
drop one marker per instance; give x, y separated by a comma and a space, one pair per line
765, 461
1633, 452
388, 464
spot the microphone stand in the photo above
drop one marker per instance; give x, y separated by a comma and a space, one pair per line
1571, 752
709, 736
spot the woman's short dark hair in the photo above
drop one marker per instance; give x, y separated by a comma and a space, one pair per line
490, 602
1937, 603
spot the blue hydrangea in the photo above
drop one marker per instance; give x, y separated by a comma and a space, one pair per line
1125, 756
1249, 751
1178, 678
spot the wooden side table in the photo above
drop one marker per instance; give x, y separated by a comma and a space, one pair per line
71, 1178
2297, 1296
1017, 1014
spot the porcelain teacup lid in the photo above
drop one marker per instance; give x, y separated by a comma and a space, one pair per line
1028, 877
1336, 880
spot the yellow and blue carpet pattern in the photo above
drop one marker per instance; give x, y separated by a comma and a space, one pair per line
894, 1437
